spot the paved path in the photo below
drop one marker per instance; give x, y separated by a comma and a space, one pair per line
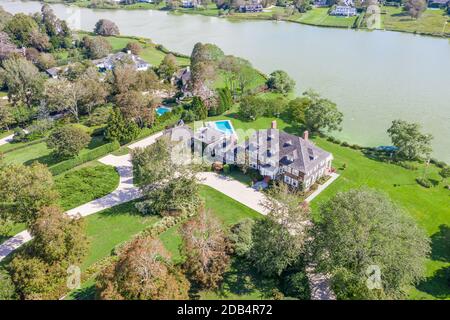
322, 187
6, 139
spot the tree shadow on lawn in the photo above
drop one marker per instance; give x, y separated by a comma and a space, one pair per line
242, 279
438, 285
440, 244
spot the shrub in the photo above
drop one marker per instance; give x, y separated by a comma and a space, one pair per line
19, 135
241, 237
424, 182
134, 47
297, 285
345, 144
407, 165
86, 157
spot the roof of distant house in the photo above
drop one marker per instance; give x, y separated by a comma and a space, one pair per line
111, 59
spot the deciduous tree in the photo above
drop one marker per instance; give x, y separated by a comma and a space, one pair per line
322, 114
25, 189
143, 271
68, 141
362, 237
415, 8
205, 247
105, 27
409, 140
279, 81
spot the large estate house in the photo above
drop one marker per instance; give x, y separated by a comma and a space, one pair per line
347, 11
111, 60
277, 155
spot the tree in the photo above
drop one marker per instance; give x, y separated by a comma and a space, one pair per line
7, 47
136, 107
105, 27
361, 232
68, 141
275, 107
279, 239
415, 8
96, 47
143, 272
133, 47
177, 196
152, 165
6, 116
241, 237
205, 247
168, 66
296, 110
117, 128
94, 92
410, 141
45, 61
322, 114
225, 102
445, 173
25, 83
251, 108
25, 189
279, 81
20, 28
40, 271
65, 95
7, 290
199, 108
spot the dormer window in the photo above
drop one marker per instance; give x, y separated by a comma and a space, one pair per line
311, 154
288, 143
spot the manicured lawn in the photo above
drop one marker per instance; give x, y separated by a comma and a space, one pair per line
39, 152
431, 22
5, 133
320, 17
429, 207
83, 185
149, 51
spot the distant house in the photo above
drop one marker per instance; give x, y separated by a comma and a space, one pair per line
110, 61
438, 3
182, 79
146, 1
252, 7
189, 4
343, 11
53, 72
321, 3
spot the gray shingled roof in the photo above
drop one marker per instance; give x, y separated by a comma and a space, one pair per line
293, 151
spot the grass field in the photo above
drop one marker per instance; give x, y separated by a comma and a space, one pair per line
149, 51
431, 22
320, 17
429, 207
83, 185
39, 152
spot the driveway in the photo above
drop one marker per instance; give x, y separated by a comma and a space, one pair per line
6, 139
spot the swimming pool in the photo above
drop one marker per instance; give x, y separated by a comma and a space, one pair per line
161, 110
225, 126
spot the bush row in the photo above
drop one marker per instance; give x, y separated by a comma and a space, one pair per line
424, 182
83, 158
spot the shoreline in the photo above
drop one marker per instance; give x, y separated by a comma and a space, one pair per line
250, 17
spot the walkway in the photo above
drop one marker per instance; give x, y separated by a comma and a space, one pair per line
322, 187
6, 139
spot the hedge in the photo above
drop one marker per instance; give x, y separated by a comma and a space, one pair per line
86, 157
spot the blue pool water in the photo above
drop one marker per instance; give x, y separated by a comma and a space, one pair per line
161, 110
225, 127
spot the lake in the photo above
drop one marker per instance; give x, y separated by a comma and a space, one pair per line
374, 77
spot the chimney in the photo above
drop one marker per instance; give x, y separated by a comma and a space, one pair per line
274, 124
305, 135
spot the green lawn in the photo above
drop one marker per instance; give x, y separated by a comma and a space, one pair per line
320, 17
39, 152
149, 51
77, 187
429, 207
431, 22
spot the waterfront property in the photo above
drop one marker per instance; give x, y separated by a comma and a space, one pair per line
254, 6
438, 3
111, 60
346, 11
